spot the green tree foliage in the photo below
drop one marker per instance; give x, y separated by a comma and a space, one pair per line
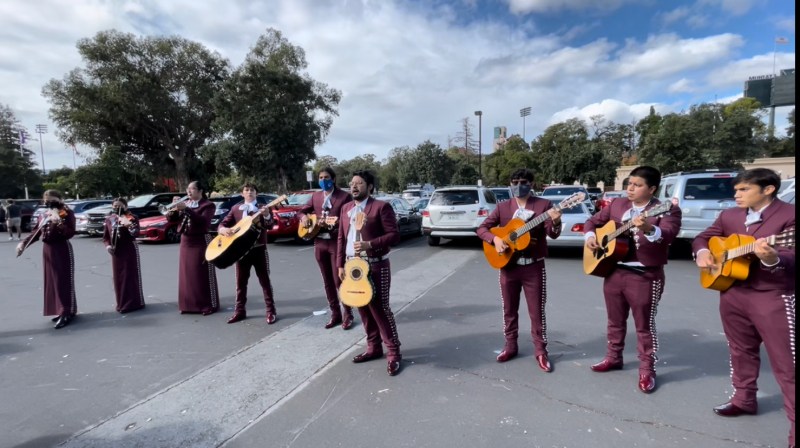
113, 174
366, 162
274, 113
512, 155
560, 150
149, 96
17, 167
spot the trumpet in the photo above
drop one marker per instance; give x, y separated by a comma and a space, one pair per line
164, 209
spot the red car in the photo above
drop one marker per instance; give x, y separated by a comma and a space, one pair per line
158, 229
285, 216
606, 198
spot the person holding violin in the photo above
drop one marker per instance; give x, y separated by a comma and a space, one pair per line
257, 257
119, 237
55, 230
197, 280
327, 204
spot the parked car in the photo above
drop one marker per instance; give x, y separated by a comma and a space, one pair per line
225, 203
422, 204
28, 207
285, 216
158, 229
556, 193
78, 207
501, 193
143, 206
457, 212
786, 184
787, 196
409, 221
572, 222
608, 196
594, 193
701, 195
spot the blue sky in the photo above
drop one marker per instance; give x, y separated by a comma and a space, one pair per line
411, 71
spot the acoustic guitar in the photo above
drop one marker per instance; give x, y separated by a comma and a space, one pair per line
603, 260
516, 234
223, 251
315, 225
356, 289
730, 261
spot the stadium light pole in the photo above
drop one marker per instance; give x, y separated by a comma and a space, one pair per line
41, 129
479, 114
524, 112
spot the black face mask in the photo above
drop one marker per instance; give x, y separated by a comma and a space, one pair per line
52, 204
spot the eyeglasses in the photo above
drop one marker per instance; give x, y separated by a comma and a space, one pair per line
357, 182
520, 182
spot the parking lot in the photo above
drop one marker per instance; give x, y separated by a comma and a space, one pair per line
158, 378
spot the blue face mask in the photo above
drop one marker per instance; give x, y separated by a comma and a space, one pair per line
326, 184
521, 191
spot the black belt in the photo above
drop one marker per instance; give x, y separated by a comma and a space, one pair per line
638, 269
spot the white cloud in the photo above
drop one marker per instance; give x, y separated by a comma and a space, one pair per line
541, 6
681, 85
611, 110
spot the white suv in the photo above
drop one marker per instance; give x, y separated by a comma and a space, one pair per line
701, 195
456, 212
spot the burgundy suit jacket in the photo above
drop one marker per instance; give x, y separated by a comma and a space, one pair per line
236, 215
194, 221
777, 217
380, 229
339, 198
650, 254
504, 212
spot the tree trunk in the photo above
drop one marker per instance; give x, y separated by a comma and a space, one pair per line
181, 171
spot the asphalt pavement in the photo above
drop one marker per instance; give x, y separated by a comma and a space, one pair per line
155, 378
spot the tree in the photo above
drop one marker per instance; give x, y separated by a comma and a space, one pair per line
273, 113
17, 164
558, 151
366, 162
510, 156
149, 96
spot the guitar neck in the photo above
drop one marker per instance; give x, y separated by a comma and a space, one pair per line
532, 223
622, 229
746, 249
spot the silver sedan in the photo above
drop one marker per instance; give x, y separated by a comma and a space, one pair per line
572, 221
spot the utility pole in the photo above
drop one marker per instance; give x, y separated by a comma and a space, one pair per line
41, 129
480, 155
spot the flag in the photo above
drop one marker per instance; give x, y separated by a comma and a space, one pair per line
781, 40
21, 137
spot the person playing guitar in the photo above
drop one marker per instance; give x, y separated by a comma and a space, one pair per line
119, 236
527, 272
257, 257
760, 308
327, 205
378, 232
637, 282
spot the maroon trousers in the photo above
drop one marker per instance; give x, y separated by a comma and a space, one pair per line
638, 294
750, 317
257, 258
532, 280
377, 316
59, 279
325, 253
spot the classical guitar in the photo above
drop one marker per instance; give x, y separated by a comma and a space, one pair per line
223, 251
516, 234
315, 225
730, 261
356, 288
603, 260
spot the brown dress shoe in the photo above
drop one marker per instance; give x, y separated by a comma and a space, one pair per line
544, 363
393, 368
731, 410
347, 323
367, 356
506, 354
272, 317
647, 382
606, 365
237, 316
334, 321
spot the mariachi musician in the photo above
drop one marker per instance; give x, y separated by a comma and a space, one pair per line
119, 236
197, 280
257, 257
328, 204
55, 230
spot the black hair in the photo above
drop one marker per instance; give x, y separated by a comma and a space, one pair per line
199, 186
522, 173
121, 199
763, 177
330, 172
368, 177
53, 193
650, 175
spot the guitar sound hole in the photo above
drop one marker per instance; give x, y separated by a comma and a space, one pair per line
355, 274
512, 236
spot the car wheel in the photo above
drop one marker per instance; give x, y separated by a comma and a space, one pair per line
433, 240
421, 230
173, 236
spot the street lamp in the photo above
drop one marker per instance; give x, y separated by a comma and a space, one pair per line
524, 112
41, 129
480, 156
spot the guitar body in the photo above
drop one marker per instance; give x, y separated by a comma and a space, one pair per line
311, 231
223, 251
725, 273
356, 289
603, 260
515, 244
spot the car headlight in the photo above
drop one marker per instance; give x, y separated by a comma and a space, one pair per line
287, 215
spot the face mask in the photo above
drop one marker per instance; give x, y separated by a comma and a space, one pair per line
326, 184
520, 191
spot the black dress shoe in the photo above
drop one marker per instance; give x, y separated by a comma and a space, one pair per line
333, 322
606, 365
55, 319
62, 321
367, 356
544, 363
393, 368
238, 316
731, 410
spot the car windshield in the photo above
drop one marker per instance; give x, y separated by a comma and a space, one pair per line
455, 197
140, 201
709, 188
299, 198
561, 191
502, 194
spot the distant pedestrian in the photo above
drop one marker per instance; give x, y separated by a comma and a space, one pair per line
13, 219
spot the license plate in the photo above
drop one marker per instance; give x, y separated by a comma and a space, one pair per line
453, 217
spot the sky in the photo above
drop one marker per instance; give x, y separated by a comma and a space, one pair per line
413, 70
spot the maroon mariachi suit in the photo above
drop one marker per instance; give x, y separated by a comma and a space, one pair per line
760, 308
125, 265
257, 257
325, 246
58, 263
197, 281
636, 291
530, 278
380, 230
